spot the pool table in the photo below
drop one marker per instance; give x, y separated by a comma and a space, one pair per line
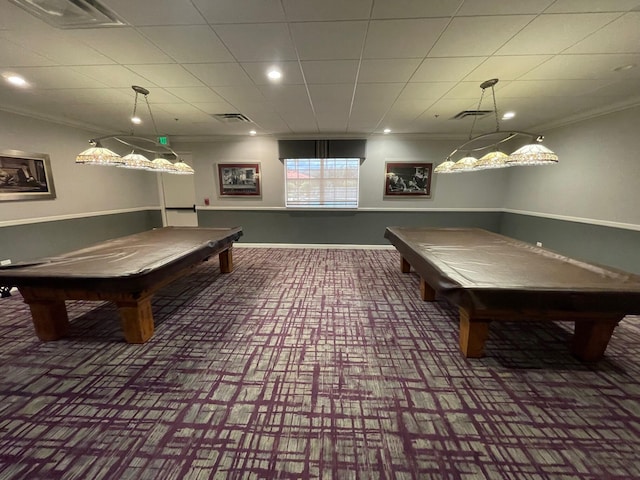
126, 270
493, 277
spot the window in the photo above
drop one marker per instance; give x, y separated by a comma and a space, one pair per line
322, 182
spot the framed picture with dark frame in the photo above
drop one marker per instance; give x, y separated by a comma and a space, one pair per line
408, 179
239, 179
25, 176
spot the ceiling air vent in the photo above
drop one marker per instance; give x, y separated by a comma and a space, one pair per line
472, 113
71, 13
231, 118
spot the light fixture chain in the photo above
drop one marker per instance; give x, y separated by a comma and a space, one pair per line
153, 120
495, 109
475, 117
133, 115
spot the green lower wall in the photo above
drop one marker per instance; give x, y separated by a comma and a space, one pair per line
36, 240
332, 227
616, 247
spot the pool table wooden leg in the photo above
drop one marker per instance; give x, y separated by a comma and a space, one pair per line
226, 261
137, 319
50, 319
473, 334
427, 293
591, 337
405, 267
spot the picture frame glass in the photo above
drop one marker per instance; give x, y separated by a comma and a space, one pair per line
409, 179
239, 179
25, 176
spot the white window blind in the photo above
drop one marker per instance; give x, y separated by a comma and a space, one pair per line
322, 182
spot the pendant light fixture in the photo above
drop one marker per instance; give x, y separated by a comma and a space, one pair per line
139, 147
534, 153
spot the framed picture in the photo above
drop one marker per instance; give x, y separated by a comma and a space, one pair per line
25, 176
408, 179
239, 179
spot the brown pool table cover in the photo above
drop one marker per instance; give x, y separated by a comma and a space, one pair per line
134, 261
482, 270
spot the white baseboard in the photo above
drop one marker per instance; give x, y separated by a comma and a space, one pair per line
327, 246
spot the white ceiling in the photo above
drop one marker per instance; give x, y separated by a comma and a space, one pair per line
351, 67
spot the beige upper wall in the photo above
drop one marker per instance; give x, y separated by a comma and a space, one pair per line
80, 190
597, 178
466, 191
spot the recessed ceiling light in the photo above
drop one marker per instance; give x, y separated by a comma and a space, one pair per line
622, 68
387, 130
14, 79
274, 74
136, 120
253, 132
508, 115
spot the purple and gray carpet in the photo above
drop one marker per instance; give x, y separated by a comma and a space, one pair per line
310, 364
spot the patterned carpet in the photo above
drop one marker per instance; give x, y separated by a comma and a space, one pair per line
311, 364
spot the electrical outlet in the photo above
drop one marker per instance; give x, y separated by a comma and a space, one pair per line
5, 262
538, 244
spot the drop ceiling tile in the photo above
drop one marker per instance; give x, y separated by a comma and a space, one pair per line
240, 95
401, 113
500, 7
257, 71
387, 70
257, 42
219, 74
550, 88
312, 10
377, 94
157, 12
14, 55
414, 8
330, 71
559, 31
585, 66
364, 122
622, 88
446, 69
267, 121
56, 47
247, 11
332, 122
121, 45
508, 67
211, 108
195, 94
329, 40
620, 36
188, 44
301, 122
58, 77
15, 18
166, 75
472, 91
444, 110
575, 6
458, 40
426, 91
156, 95
331, 97
93, 96
183, 111
284, 94
411, 38
113, 75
